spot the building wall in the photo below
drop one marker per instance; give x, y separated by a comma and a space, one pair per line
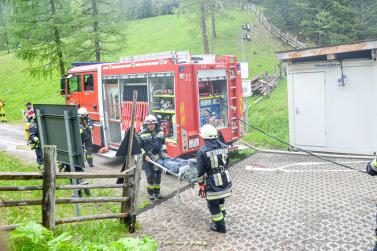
348, 119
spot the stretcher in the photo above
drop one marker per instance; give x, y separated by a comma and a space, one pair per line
179, 177
185, 174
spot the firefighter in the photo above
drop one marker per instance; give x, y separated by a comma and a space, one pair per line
372, 170
213, 176
3, 118
86, 127
152, 143
34, 140
29, 115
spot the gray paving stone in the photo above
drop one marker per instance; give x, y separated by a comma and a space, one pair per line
306, 205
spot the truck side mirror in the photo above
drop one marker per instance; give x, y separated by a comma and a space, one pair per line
62, 86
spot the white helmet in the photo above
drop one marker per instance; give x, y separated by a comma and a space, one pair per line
150, 119
208, 131
82, 112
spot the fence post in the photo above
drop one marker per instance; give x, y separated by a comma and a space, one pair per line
49, 177
135, 194
126, 206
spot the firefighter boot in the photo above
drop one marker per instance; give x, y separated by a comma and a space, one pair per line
157, 193
218, 227
85, 182
89, 159
151, 195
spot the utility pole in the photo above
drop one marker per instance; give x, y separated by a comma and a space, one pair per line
245, 29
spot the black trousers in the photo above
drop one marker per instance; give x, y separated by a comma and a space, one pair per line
153, 178
88, 144
217, 210
38, 152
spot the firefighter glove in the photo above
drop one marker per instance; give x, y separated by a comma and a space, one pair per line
192, 182
202, 190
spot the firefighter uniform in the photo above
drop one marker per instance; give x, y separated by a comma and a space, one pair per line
3, 118
153, 146
29, 112
86, 127
213, 176
372, 170
35, 142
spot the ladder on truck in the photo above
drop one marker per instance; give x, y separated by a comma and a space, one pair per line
233, 104
178, 57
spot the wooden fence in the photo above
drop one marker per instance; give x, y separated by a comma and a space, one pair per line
285, 36
48, 201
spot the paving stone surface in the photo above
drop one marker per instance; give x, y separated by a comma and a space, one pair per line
279, 202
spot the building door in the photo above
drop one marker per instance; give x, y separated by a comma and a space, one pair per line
309, 108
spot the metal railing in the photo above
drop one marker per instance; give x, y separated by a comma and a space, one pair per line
284, 36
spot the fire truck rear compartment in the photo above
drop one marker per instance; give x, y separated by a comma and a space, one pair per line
155, 95
213, 93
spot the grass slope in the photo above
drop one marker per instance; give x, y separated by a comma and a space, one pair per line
17, 87
270, 115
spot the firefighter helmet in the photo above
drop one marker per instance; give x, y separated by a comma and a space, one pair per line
208, 131
82, 112
150, 119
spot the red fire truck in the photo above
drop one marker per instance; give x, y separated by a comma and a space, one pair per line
182, 91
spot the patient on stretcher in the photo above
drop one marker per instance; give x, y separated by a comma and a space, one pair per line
186, 169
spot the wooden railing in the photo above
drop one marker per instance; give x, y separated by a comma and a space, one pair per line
285, 36
48, 201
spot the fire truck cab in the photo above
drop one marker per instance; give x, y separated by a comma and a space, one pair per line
184, 92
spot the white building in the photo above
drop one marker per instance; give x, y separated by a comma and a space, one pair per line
332, 98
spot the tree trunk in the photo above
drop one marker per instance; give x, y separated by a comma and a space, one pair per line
213, 22
58, 42
203, 26
2, 22
96, 32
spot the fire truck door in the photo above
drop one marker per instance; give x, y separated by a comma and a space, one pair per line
113, 113
89, 97
74, 90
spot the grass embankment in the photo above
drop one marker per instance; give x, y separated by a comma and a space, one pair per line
271, 115
83, 234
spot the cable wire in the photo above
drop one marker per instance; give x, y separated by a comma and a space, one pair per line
294, 147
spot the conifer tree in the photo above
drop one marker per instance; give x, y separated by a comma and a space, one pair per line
38, 27
99, 31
